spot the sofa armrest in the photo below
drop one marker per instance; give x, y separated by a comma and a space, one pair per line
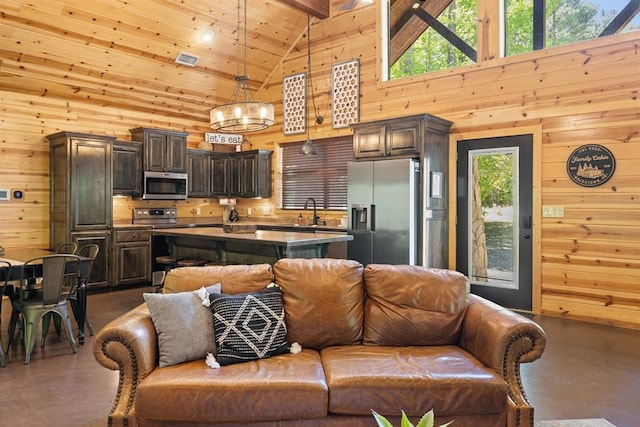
502, 339
127, 344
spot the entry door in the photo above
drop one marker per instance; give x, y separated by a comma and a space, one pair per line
494, 203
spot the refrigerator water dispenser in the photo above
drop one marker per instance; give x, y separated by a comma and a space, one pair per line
359, 217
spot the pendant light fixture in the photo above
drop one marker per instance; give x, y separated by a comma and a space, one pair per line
308, 147
243, 114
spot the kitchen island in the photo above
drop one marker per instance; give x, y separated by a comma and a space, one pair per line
213, 244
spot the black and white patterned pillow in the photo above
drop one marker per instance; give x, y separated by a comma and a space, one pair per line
249, 326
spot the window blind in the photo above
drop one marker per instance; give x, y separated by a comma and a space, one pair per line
322, 176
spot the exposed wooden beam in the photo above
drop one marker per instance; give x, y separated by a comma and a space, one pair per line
406, 27
449, 35
318, 8
623, 18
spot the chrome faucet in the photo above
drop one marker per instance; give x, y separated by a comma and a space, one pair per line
315, 215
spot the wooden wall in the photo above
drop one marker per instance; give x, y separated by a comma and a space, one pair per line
587, 263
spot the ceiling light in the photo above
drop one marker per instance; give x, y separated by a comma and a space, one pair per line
243, 114
206, 35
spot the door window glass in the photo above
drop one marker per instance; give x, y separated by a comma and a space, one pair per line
493, 231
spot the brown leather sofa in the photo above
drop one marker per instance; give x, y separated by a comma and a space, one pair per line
387, 338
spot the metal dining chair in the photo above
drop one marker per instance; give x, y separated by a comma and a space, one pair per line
87, 251
67, 248
29, 312
5, 289
71, 290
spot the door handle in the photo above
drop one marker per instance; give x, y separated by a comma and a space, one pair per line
373, 218
527, 236
526, 222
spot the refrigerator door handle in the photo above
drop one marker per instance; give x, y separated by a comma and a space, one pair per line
373, 218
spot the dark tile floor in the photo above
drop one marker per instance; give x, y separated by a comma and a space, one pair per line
587, 371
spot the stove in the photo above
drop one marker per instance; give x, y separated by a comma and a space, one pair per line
156, 217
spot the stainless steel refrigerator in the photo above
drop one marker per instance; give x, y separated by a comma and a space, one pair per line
383, 200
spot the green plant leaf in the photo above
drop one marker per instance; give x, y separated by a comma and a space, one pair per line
382, 421
426, 420
405, 421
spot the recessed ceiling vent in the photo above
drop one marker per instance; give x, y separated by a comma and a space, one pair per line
187, 59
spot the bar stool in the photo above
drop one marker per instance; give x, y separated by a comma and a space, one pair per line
191, 262
167, 263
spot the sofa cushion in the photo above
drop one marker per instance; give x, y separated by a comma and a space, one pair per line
183, 325
413, 305
235, 279
248, 326
285, 387
323, 300
446, 379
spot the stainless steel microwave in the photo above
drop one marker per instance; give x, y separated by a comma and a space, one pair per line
165, 186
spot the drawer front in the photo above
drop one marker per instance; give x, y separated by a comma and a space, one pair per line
132, 235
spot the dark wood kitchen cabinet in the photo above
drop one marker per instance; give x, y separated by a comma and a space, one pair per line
132, 256
255, 174
219, 175
235, 176
199, 170
127, 168
401, 137
164, 150
81, 201
100, 271
245, 174
249, 174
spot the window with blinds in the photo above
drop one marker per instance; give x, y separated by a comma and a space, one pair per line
322, 176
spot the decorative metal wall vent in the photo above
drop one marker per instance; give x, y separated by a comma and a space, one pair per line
346, 93
187, 59
295, 102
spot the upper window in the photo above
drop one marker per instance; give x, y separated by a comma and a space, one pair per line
429, 36
322, 177
565, 22
425, 36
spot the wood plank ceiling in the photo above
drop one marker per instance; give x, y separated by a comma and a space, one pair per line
121, 54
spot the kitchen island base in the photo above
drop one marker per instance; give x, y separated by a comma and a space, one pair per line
215, 246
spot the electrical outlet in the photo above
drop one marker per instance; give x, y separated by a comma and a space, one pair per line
266, 210
553, 211
197, 211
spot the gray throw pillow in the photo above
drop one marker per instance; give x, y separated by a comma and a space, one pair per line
184, 326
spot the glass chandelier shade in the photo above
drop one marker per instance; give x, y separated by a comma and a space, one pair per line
243, 114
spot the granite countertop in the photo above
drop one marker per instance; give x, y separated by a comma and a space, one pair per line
217, 222
286, 238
